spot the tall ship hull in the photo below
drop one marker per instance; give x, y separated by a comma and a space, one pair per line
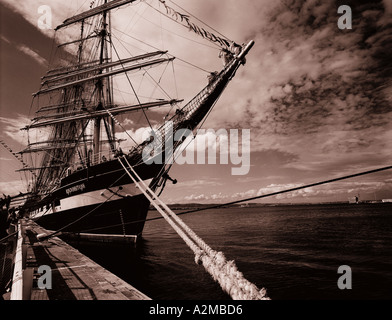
99, 200
78, 183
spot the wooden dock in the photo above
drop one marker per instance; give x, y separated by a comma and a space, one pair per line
73, 275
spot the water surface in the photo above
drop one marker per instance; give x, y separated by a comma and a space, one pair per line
292, 251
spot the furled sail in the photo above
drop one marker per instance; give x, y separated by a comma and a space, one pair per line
99, 113
102, 75
82, 71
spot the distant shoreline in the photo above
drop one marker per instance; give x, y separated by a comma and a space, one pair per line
187, 206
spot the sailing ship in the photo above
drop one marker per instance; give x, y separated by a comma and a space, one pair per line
77, 183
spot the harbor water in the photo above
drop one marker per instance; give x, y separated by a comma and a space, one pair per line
294, 251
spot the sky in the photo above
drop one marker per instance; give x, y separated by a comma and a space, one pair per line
316, 99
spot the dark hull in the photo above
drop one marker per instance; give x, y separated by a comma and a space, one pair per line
100, 200
120, 217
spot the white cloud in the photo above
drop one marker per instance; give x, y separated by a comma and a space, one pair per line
12, 187
4, 39
197, 184
138, 135
193, 197
32, 54
11, 128
29, 8
246, 194
219, 197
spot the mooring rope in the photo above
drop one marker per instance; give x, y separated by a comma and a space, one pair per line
226, 273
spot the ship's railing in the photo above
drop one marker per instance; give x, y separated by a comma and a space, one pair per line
181, 115
92, 159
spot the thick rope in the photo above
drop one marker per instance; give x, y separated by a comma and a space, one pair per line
224, 272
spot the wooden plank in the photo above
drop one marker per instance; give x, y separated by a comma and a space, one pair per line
74, 276
17, 279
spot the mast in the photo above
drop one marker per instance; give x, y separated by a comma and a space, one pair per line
99, 87
110, 91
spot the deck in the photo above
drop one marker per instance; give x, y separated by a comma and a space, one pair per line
73, 275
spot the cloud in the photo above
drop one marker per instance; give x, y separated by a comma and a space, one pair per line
215, 197
246, 194
342, 191
210, 145
11, 128
29, 8
306, 78
198, 183
12, 187
196, 197
32, 54
275, 188
127, 122
2, 37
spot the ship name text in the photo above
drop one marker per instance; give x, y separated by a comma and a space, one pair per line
79, 187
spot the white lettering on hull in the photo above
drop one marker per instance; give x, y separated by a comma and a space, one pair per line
94, 197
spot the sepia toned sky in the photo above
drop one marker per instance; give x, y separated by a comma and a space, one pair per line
316, 99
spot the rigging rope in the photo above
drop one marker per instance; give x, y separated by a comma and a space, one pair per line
120, 125
223, 36
153, 47
178, 35
146, 71
19, 158
224, 272
183, 20
133, 89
